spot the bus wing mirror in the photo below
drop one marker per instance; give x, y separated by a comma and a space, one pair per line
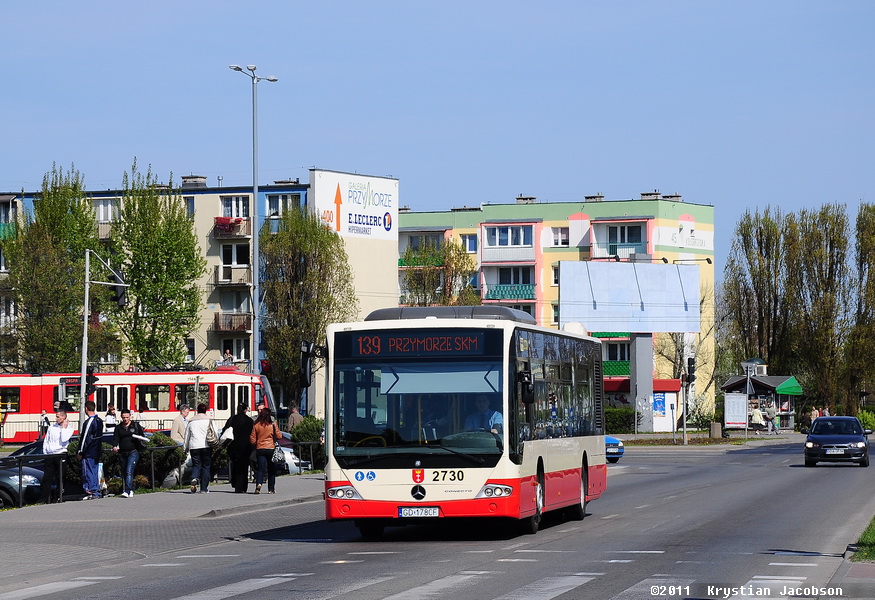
527, 389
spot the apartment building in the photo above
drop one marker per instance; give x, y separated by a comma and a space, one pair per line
520, 247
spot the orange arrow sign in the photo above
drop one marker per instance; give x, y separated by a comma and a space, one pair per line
338, 200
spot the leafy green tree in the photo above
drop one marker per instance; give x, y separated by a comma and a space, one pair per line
859, 355
156, 249
439, 275
307, 284
46, 256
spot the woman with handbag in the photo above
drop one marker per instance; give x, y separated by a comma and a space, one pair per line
264, 437
240, 449
199, 438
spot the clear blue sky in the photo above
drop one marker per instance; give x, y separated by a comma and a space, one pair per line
740, 104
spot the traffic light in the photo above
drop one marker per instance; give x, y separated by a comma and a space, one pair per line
691, 369
119, 294
90, 381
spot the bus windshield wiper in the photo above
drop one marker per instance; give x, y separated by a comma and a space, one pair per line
478, 460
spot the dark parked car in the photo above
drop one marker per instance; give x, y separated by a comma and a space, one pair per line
9, 486
613, 449
837, 439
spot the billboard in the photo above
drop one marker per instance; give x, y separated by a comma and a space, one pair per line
353, 205
629, 297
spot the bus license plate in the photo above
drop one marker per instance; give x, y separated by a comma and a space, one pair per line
835, 451
417, 511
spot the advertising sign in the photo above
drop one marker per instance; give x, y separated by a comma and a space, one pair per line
659, 404
735, 411
356, 205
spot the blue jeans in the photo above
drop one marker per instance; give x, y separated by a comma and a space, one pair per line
265, 463
201, 459
90, 481
129, 463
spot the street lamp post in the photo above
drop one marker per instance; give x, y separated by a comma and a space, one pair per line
256, 308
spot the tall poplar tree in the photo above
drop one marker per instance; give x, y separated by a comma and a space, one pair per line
46, 256
156, 249
307, 283
439, 275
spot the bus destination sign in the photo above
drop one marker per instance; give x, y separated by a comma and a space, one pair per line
418, 343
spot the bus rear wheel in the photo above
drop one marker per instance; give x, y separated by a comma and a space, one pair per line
530, 524
578, 511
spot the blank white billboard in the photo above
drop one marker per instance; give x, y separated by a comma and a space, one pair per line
629, 297
356, 205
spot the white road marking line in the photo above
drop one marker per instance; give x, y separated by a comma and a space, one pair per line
478, 551
365, 553
97, 578
638, 551
773, 577
589, 574
517, 560
610, 516
434, 589
289, 575
615, 560
643, 587
208, 555
546, 551
165, 565
42, 590
340, 562
546, 589
793, 565
233, 589
520, 545
636, 508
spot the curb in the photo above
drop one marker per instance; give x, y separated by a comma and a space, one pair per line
238, 510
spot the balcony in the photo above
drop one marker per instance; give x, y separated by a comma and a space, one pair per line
517, 254
233, 275
231, 227
520, 291
624, 251
104, 230
228, 322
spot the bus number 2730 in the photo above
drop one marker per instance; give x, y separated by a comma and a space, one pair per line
447, 475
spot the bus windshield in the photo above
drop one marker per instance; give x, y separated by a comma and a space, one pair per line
438, 407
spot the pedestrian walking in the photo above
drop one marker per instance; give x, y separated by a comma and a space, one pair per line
110, 420
44, 424
177, 428
90, 450
771, 417
756, 419
295, 419
264, 436
55, 444
240, 449
128, 441
196, 432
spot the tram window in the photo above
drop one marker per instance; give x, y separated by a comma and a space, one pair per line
242, 395
185, 394
121, 398
10, 399
221, 397
101, 397
153, 397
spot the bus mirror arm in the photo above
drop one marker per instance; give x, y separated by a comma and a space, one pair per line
527, 389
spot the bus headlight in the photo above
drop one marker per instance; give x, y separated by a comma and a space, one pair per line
494, 490
344, 492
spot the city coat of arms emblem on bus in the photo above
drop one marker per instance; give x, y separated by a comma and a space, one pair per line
418, 475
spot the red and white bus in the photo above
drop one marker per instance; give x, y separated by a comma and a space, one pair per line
153, 397
406, 440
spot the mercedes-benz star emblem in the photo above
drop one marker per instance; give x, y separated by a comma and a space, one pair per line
418, 492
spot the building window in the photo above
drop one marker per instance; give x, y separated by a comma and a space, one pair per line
234, 301
556, 275
526, 308
514, 275
618, 351
236, 207
106, 210
560, 237
6, 212
555, 314
7, 311
278, 204
3, 266
624, 234
469, 242
239, 348
189, 205
235, 254
419, 242
189, 350
509, 235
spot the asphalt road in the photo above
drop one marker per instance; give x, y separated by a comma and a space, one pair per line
683, 522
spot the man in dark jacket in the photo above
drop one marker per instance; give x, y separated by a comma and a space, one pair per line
90, 451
